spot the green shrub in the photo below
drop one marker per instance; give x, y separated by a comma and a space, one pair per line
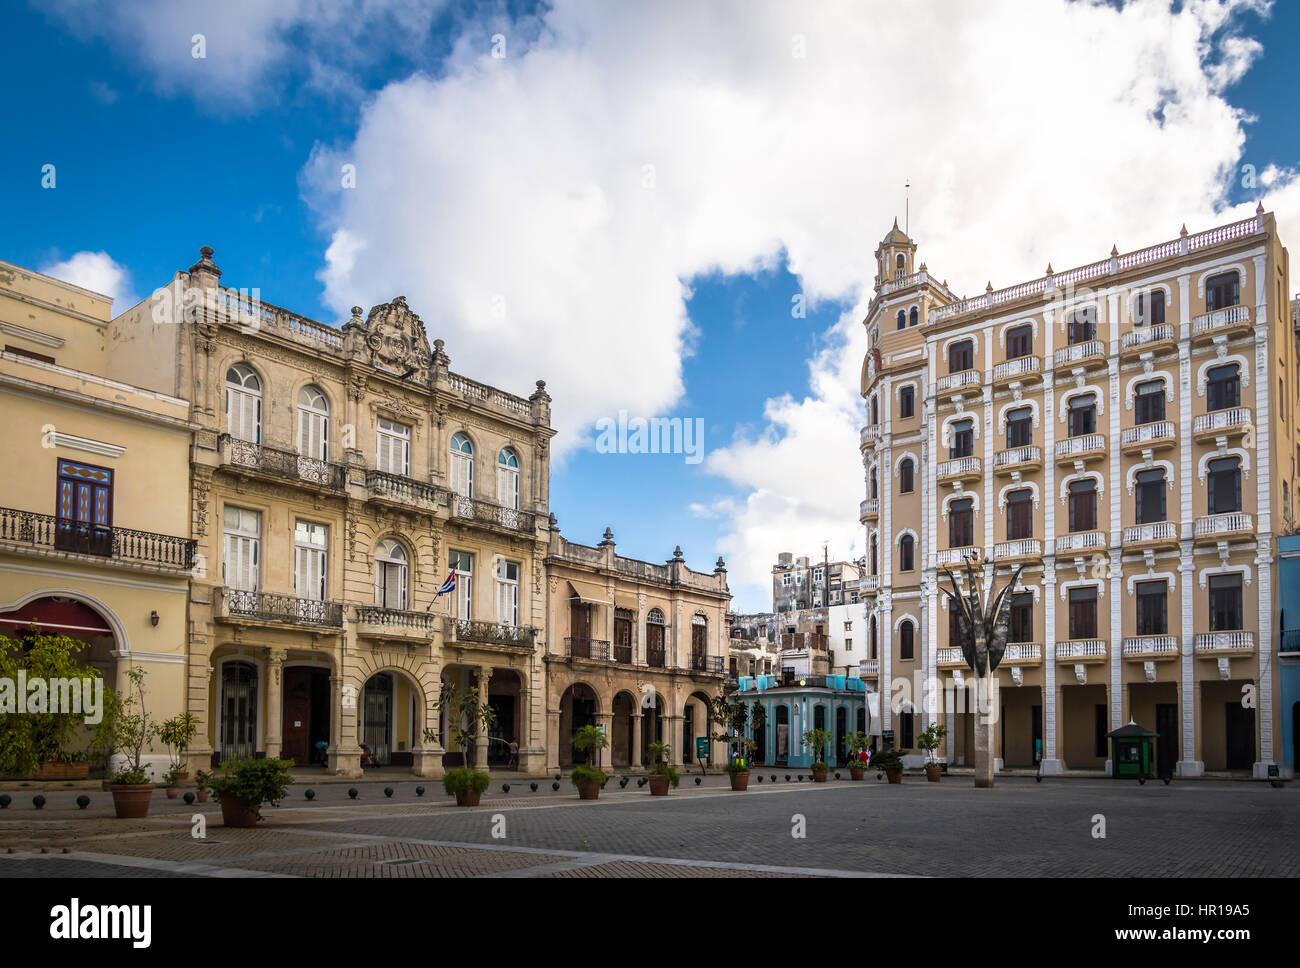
819, 766
888, 759
737, 766
587, 773
463, 780
254, 782
665, 769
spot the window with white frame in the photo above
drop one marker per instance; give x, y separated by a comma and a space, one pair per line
462, 563
242, 548
393, 447
310, 550
462, 465
508, 592
785, 580
313, 424
508, 479
244, 403
390, 574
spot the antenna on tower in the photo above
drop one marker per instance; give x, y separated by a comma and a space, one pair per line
907, 208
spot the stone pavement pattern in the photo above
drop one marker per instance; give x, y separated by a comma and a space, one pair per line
1020, 828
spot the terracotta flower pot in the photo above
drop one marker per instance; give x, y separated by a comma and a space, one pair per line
739, 782
131, 800
819, 776
932, 773
173, 792
856, 773
235, 814
468, 798
658, 785
588, 789
203, 796
894, 776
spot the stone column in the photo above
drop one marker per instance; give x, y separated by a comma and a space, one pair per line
274, 702
481, 739
552, 741
605, 758
636, 738
673, 738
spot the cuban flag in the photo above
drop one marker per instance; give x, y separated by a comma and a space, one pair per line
448, 586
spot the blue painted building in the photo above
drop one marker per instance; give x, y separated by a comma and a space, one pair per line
792, 707
1288, 549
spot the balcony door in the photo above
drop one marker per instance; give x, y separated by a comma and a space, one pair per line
580, 629
310, 543
85, 509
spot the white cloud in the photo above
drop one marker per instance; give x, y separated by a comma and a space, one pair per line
1030, 132
98, 272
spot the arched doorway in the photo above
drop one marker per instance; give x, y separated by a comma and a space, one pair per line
238, 710
620, 743
377, 709
578, 707
841, 735
652, 724
695, 725
758, 723
782, 734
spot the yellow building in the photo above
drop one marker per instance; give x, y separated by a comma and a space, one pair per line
1127, 431
94, 531
636, 648
340, 476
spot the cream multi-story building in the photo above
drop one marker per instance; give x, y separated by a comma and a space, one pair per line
636, 648
1126, 430
94, 532
339, 477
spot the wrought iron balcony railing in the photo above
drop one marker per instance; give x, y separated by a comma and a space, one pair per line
583, 648
121, 544
496, 633
283, 464
267, 607
655, 658
706, 663
488, 513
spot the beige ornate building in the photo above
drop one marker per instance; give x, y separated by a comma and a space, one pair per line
1127, 431
636, 648
94, 535
340, 475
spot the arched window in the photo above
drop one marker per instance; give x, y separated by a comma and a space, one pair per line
872, 641
875, 563
654, 638
313, 424
961, 356
1082, 415
1223, 387
905, 472
961, 524
390, 574
1149, 402
1083, 505
873, 488
1150, 496
906, 553
1020, 515
875, 411
244, 403
1224, 485
1222, 291
912, 317
699, 639
462, 465
902, 319
907, 402
900, 264
508, 479
906, 640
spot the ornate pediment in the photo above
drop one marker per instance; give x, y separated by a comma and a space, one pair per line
395, 339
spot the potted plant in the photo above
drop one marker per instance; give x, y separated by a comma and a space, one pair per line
589, 779
738, 771
928, 742
132, 785
818, 739
890, 761
176, 734
244, 785
65, 765
859, 743
202, 784
661, 774
466, 784
466, 716
170, 781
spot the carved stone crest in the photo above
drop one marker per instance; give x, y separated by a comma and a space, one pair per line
396, 340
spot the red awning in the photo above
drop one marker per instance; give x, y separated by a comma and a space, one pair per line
63, 615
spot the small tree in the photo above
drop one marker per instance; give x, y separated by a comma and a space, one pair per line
818, 739
589, 739
465, 717
30, 739
928, 742
857, 743
134, 730
732, 716
176, 734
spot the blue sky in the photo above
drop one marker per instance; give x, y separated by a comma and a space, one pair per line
776, 176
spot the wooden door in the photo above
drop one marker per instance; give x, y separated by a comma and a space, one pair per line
296, 728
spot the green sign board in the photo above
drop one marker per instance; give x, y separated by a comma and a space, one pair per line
701, 747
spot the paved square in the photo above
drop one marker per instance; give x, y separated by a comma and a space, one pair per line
1020, 828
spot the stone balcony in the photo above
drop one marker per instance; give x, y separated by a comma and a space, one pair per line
1081, 543
958, 556
1022, 654
1152, 436
403, 492
869, 435
1150, 648
407, 627
1021, 460
1081, 651
869, 510
1025, 369
1085, 447
1224, 644
1212, 528
961, 382
1232, 422
1161, 535
959, 469
1020, 550
1232, 321
1148, 339
1088, 354
950, 659
869, 584
869, 669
